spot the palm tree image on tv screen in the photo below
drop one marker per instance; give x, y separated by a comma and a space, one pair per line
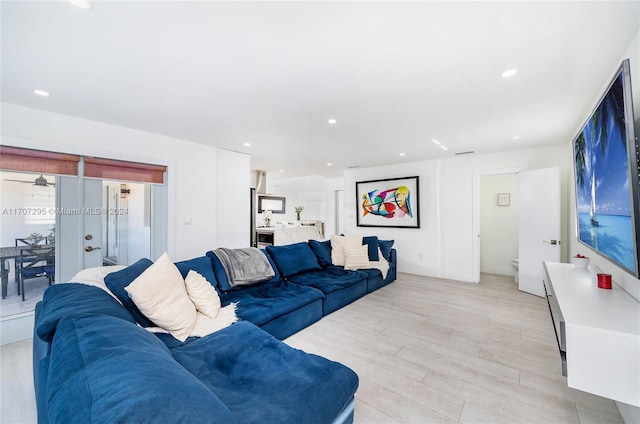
603, 192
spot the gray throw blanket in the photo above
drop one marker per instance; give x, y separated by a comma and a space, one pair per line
244, 266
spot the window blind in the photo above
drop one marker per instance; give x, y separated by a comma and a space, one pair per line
111, 169
39, 161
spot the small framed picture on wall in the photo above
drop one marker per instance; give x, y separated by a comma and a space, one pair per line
504, 199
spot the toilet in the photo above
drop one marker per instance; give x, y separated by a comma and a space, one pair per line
515, 263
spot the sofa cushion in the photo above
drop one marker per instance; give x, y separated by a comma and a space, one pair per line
385, 248
322, 249
223, 279
330, 279
292, 259
117, 281
202, 265
149, 385
372, 246
70, 299
262, 380
262, 303
161, 295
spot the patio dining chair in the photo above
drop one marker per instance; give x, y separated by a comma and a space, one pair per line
37, 261
27, 242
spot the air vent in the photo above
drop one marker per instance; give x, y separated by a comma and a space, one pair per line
353, 166
464, 153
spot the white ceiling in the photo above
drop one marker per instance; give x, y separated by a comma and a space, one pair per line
393, 74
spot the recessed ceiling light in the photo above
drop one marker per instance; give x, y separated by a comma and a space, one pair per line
402, 154
332, 121
443, 147
282, 170
509, 73
246, 144
515, 137
329, 164
435, 141
41, 93
80, 4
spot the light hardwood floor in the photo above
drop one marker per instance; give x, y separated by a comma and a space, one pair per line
438, 351
426, 351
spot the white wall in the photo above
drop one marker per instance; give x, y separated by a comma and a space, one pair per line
498, 224
191, 178
442, 247
232, 195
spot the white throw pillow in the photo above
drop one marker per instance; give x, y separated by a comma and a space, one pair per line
160, 294
202, 294
356, 257
337, 247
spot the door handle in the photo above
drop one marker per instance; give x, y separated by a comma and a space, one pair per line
90, 248
554, 242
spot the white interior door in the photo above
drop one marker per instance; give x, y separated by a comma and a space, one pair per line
539, 225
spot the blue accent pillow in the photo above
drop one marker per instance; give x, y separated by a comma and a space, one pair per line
385, 248
372, 243
223, 279
202, 265
149, 385
292, 259
277, 277
117, 281
322, 249
219, 272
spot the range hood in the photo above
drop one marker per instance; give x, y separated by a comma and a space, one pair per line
261, 182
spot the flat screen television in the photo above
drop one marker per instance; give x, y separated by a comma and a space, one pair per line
606, 166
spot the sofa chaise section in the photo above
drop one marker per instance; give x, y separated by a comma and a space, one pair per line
262, 380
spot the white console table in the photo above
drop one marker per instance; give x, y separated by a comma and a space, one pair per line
599, 330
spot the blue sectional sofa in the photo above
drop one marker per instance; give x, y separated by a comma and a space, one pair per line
93, 361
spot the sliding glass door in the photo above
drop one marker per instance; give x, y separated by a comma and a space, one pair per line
27, 239
118, 231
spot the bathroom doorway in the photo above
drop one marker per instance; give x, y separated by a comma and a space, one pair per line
539, 224
491, 187
499, 227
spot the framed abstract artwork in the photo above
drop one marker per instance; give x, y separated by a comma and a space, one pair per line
388, 203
